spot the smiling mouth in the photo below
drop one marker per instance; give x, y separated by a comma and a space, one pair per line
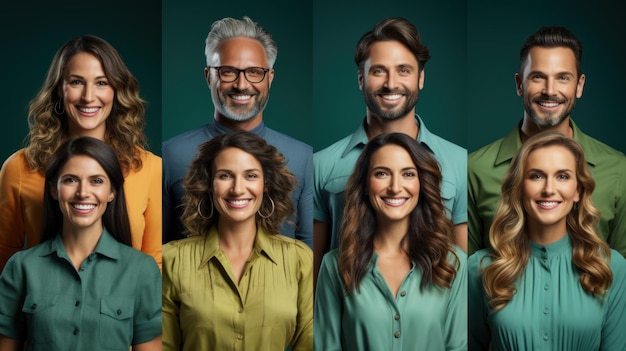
238, 203
395, 201
88, 109
83, 207
548, 204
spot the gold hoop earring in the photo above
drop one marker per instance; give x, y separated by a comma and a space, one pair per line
271, 213
58, 107
200, 208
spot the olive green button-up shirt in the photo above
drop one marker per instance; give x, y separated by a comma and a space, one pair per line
487, 166
204, 308
110, 303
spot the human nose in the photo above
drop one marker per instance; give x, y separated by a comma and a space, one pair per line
241, 82
548, 89
391, 81
88, 93
81, 190
548, 187
394, 185
238, 186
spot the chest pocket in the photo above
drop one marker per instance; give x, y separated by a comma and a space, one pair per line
116, 321
448, 192
40, 318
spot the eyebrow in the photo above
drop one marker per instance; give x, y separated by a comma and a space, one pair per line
245, 170
557, 171
81, 77
389, 169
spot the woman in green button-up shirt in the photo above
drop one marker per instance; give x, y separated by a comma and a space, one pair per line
235, 283
397, 282
83, 287
548, 282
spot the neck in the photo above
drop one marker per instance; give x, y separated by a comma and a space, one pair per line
405, 124
530, 128
80, 242
389, 236
237, 236
545, 235
237, 125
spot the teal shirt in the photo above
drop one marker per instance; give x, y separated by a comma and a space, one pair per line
373, 319
488, 165
333, 166
550, 310
112, 301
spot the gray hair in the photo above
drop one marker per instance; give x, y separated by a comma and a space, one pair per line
228, 28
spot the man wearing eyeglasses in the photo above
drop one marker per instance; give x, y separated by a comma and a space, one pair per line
240, 56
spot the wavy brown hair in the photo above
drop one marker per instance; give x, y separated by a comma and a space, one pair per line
509, 240
124, 126
279, 183
430, 236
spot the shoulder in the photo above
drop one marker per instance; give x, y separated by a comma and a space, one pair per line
334, 150
478, 260
283, 243
618, 263
485, 154
184, 140
182, 247
17, 160
284, 142
134, 258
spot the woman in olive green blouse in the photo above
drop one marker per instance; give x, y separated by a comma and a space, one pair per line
548, 282
235, 283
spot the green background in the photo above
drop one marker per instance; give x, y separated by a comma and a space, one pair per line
31, 32
469, 94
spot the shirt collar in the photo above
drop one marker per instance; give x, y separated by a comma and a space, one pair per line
553, 249
513, 142
359, 137
214, 128
107, 246
262, 246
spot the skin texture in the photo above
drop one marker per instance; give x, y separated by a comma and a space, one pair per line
550, 190
239, 104
549, 86
87, 96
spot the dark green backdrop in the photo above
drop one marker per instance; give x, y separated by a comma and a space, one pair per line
32, 31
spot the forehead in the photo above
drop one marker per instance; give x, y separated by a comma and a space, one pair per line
82, 164
558, 59
553, 156
240, 52
390, 53
236, 158
391, 156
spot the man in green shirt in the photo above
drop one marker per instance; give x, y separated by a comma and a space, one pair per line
549, 81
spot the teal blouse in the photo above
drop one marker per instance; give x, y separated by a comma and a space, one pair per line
550, 310
111, 302
373, 319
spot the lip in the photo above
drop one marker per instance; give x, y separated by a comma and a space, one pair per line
548, 205
394, 201
391, 98
238, 203
241, 98
88, 111
83, 208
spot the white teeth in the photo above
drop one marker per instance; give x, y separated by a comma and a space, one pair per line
241, 97
548, 204
238, 202
394, 201
88, 109
549, 104
392, 97
84, 207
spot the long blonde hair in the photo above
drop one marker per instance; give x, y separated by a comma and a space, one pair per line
509, 240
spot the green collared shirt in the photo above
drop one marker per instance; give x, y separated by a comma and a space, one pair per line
487, 166
204, 308
333, 166
111, 302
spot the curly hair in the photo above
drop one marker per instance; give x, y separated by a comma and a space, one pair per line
430, 235
124, 126
115, 217
279, 182
509, 240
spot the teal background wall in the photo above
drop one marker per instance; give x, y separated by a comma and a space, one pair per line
495, 34
187, 98
32, 31
338, 105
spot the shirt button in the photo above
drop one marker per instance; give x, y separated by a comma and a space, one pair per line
397, 316
33, 306
403, 293
76, 331
239, 336
545, 337
546, 311
546, 287
81, 268
240, 310
77, 303
396, 334
119, 312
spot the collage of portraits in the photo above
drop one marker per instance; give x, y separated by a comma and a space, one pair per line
426, 176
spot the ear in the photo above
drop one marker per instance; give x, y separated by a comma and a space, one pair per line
518, 85
54, 191
207, 76
360, 80
580, 86
111, 196
270, 77
577, 195
421, 79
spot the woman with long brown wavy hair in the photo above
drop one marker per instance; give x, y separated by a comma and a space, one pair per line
397, 277
548, 281
88, 91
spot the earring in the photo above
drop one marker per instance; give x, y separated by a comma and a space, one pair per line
200, 210
58, 107
273, 208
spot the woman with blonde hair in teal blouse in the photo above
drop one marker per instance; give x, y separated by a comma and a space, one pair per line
548, 281
397, 281
235, 283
